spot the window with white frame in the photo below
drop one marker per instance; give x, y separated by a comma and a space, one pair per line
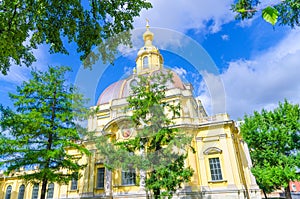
213, 155
215, 169
8, 192
128, 177
21, 192
35, 192
50, 191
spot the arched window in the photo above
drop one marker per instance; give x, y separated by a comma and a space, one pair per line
50, 191
21, 192
145, 62
35, 192
8, 192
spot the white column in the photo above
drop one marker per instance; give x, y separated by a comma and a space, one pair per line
142, 172
142, 179
108, 187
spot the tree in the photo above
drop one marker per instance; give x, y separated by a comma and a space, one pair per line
24, 24
285, 12
274, 141
158, 148
43, 126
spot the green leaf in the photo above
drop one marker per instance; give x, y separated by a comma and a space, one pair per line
270, 15
241, 10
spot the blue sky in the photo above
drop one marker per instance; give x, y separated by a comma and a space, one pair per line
255, 65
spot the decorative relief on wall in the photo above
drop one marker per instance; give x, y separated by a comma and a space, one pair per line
212, 150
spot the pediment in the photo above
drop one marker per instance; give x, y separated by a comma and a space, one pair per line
212, 150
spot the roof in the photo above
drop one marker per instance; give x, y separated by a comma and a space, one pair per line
121, 89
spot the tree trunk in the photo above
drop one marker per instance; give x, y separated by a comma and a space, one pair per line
44, 189
265, 194
156, 193
49, 145
287, 192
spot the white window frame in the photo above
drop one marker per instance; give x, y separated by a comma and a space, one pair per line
35, 191
215, 169
129, 177
21, 193
50, 191
8, 192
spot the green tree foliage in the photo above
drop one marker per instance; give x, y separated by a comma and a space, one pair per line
24, 24
274, 141
158, 148
41, 128
286, 12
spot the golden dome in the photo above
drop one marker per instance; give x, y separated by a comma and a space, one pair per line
148, 35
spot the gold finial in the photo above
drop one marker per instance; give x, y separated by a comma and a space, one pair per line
148, 86
147, 24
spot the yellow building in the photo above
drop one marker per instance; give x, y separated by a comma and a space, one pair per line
221, 163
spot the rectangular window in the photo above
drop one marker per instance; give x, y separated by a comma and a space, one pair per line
100, 177
74, 182
128, 177
215, 169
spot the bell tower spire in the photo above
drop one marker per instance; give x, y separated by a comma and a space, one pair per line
148, 57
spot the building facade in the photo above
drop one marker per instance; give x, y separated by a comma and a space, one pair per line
221, 162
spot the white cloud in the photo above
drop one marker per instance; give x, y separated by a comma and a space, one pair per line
213, 95
225, 37
16, 74
128, 70
184, 15
264, 4
264, 80
180, 71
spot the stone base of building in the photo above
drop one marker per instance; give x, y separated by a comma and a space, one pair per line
215, 194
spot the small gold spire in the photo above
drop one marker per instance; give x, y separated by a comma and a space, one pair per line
147, 24
148, 35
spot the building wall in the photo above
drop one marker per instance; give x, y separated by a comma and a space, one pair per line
214, 137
